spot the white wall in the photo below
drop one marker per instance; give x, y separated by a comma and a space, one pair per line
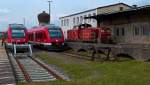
69, 21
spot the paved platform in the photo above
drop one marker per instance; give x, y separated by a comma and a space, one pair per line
6, 72
139, 52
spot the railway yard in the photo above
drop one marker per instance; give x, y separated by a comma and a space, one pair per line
69, 68
108, 45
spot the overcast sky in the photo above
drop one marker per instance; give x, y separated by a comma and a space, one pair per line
13, 11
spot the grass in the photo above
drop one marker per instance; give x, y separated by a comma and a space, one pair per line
99, 73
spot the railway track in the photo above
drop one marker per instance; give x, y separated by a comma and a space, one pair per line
6, 73
100, 57
67, 54
77, 56
31, 69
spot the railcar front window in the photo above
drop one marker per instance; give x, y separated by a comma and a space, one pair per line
55, 33
18, 34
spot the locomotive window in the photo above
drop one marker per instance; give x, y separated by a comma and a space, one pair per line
55, 33
44, 36
40, 35
32, 36
37, 35
18, 34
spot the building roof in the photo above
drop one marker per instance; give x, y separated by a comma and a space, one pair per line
126, 12
78, 13
114, 5
95, 9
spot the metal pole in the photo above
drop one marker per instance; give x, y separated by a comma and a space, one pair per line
24, 21
50, 10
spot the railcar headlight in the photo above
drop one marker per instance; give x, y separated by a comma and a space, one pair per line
63, 43
102, 31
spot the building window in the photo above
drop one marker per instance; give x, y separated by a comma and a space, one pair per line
89, 20
117, 31
81, 19
123, 32
67, 22
77, 20
62, 22
94, 14
85, 19
120, 8
136, 31
120, 31
74, 21
145, 30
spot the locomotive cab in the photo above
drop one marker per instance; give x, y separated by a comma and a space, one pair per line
17, 39
16, 34
19, 36
48, 36
56, 36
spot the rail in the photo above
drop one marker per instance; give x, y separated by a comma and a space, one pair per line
34, 70
16, 47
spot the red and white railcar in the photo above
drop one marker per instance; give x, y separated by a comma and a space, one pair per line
16, 34
16, 39
49, 36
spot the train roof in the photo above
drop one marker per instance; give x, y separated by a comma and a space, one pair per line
42, 27
17, 26
51, 26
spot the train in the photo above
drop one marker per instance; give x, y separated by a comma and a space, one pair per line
46, 35
16, 39
50, 37
83, 33
16, 34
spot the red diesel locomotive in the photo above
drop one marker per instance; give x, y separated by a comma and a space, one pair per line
89, 34
16, 34
47, 36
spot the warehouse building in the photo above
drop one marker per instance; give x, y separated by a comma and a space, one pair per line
128, 26
69, 21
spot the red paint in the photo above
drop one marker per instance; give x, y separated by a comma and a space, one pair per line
89, 34
10, 39
104, 34
41, 34
73, 35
